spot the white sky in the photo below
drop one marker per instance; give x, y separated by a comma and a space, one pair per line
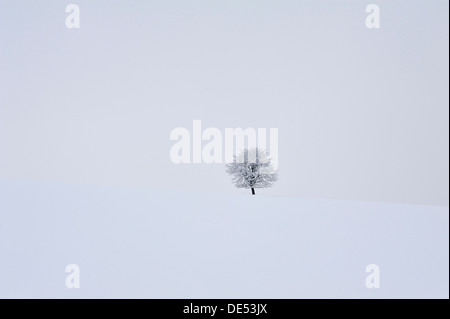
362, 114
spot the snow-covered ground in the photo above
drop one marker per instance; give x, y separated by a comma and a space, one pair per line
141, 243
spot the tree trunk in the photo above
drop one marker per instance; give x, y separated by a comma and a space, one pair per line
253, 191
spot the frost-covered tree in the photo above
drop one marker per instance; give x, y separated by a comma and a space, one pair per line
252, 169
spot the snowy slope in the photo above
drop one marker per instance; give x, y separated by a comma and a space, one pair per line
160, 244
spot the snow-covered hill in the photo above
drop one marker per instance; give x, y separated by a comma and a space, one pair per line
160, 244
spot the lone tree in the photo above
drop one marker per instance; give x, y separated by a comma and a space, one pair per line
252, 169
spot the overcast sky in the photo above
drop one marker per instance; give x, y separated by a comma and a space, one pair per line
362, 114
